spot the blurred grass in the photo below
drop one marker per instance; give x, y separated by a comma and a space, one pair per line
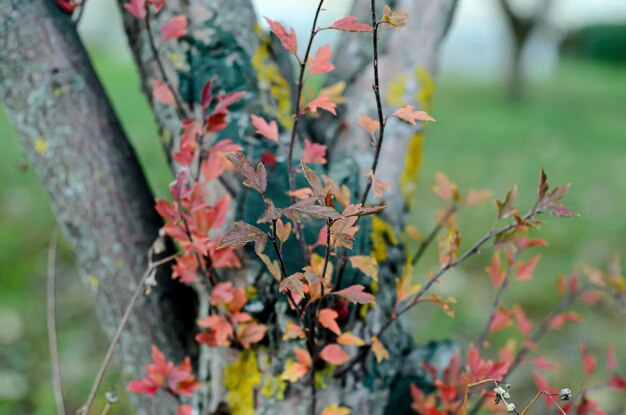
572, 124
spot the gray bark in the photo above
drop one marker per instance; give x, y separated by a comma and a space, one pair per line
88, 168
100, 196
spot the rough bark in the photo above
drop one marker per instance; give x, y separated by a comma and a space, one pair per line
100, 196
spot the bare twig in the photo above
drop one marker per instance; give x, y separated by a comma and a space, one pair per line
433, 233
52, 329
84, 410
294, 130
183, 111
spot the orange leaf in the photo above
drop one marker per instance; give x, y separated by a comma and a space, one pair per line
322, 102
251, 333
444, 188
410, 115
313, 152
334, 354
525, 269
356, 294
320, 63
349, 339
379, 350
368, 124
328, 319
269, 131
366, 264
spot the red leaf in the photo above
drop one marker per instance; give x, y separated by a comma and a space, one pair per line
66, 5
162, 93
288, 40
334, 354
184, 409
157, 372
589, 362
525, 269
269, 131
328, 319
224, 102
500, 320
219, 331
410, 115
322, 102
314, 153
158, 4
617, 382
255, 179
523, 324
241, 234
356, 294
174, 28
495, 271
137, 8
320, 63
181, 380
351, 24
611, 359
206, 96
557, 322
541, 362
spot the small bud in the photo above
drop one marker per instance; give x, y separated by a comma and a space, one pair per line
565, 394
499, 390
510, 407
111, 396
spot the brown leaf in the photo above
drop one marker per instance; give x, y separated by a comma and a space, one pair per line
255, 179
241, 234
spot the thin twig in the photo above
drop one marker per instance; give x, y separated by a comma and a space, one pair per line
294, 130
84, 410
442, 270
432, 235
379, 105
52, 329
182, 109
497, 300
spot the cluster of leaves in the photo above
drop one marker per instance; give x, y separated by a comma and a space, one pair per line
318, 332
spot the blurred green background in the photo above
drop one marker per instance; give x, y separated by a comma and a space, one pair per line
572, 122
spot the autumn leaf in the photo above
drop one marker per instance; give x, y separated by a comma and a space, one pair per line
334, 354
288, 40
477, 197
328, 319
395, 19
507, 208
589, 362
349, 339
255, 179
444, 188
525, 269
322, 102
309, 207
251, 333
174, 28
356, 294
283, 230
411, 115
314, 180
366, 264
162, 93
523, 323
293, 331
334, 92
334, 409
295, 370
320, 62
368, 124
219, 331
313, 153
241, 234
443, 304
269, 131
293, 283
379, 350
157, 372
351, 24
378, 186
501, 319
137, 8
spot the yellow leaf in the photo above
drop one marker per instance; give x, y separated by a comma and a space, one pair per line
382, 234
366, 264
334, 92
349, 339
396, 89
379, 350
241, 378
334, 409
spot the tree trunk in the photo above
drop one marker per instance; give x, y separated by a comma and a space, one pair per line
101, 199
100, 196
